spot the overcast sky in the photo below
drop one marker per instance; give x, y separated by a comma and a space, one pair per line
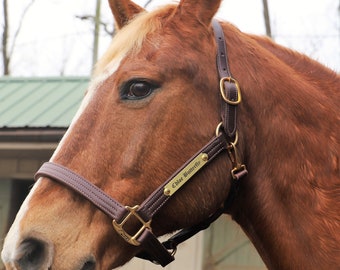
54, 41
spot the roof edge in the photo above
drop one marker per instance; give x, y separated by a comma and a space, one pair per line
47, 78
39, 135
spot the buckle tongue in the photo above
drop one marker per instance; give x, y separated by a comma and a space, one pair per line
119, 227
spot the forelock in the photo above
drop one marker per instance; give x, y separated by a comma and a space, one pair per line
130, 39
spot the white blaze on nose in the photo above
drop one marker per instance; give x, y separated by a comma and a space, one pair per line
95, 83
15, 234
122, 44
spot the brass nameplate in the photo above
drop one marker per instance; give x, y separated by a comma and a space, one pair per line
184, 175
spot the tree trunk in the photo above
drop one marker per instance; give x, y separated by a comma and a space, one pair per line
267, 18
5, 56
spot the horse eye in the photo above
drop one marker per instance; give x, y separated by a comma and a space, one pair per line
139, 90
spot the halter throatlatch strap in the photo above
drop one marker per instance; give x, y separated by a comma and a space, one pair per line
224, 139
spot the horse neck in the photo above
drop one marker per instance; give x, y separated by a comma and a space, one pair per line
289, 203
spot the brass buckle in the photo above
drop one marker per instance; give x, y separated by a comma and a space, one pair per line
225, 98
132, 239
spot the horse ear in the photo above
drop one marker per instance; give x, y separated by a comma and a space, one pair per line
124, 11
203, 10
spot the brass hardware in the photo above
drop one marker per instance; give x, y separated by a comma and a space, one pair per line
225, 98
185, 174
217, 131
235, 158
236, 170
204, 157
236, 139
167, 192
233, 154
119, 227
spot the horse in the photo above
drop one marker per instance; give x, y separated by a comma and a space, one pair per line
155, 99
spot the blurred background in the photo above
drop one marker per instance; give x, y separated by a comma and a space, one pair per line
62, 37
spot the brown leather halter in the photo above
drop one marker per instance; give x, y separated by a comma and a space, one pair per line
225, 139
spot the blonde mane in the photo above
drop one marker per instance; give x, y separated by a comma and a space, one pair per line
129, 39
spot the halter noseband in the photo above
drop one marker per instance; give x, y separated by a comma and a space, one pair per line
224, 139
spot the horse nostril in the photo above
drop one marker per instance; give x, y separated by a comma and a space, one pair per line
32, 254
89, 265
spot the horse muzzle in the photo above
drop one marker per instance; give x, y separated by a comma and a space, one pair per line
33, 254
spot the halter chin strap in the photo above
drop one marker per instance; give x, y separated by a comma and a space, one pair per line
225, 139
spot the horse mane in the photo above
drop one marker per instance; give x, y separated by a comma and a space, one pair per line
130, 38
288, 137
276, 83
307, 67
266, 63
291, 113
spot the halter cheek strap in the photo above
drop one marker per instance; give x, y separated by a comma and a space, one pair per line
225, 139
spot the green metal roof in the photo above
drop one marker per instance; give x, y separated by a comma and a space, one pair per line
40, 102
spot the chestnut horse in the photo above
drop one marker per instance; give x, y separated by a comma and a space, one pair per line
153, 102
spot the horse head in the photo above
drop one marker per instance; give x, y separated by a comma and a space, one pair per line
152, 103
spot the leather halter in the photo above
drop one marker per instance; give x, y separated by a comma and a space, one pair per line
224, 139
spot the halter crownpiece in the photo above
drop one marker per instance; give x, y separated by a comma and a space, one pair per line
225, 139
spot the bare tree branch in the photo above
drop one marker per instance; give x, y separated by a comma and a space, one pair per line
147, 3
17, 32
92, 18
6, 52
